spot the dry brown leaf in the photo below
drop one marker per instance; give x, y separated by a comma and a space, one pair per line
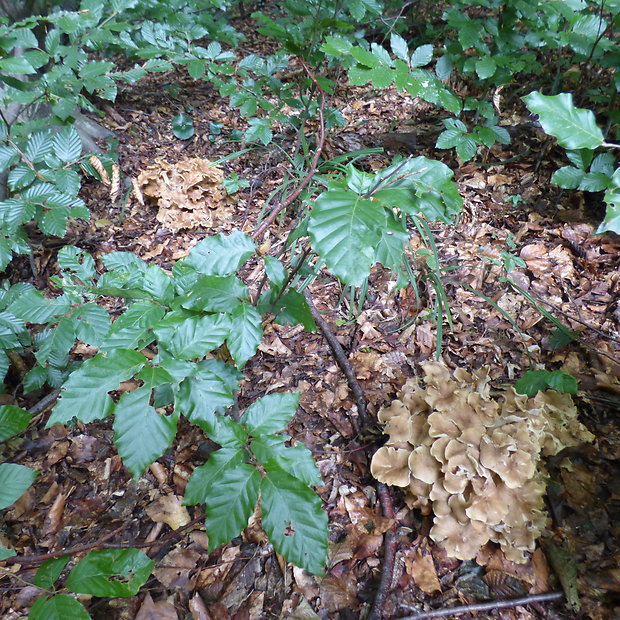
177, 568
160, 610
421, 567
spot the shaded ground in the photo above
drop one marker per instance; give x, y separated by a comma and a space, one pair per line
83, 492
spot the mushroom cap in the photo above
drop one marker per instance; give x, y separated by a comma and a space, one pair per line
389, 465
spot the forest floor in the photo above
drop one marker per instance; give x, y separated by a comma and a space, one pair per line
83, 493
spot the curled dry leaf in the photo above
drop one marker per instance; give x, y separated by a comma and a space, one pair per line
168, 509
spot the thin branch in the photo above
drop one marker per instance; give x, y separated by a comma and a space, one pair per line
28, 560
465, 609
389, 554
44, 403
311, 172
341, 359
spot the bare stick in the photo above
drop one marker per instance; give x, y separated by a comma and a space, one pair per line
464, 609
341, 359
389, 554
306, 180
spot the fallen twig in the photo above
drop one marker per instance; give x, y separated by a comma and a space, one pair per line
44, 403
389, 554
29, 560
464, 609
342, 360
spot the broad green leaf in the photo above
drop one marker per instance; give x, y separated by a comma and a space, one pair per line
182, 126
259, 130
33, 307
270, 413
35, 378
292, 309
421, 56
220, 255
6, 553
272, 452
141, 434
206, 476
345, 229
85, 394
568, 177
594, 182
54, 349
16, 64
192, 337
158, 284
563, 382
485, 67
215, 294
532, 382
38, 146
13, 420
49, 572
294, 521
246, 333
612, 199
230, 503
67, 144
132, 329
391, 247
276, 272
92, 323
79, 262
574, 128
8, 157
399, 46
58, 607
111, 572
210, 390
14, 482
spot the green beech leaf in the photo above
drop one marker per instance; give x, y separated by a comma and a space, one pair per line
58, 607
13, 420
132, 329
219, 255
206, 476
399, 46
141, 434
272, 452
270, 413
111, 572
292, 309
246, 333
421, 56
345, 230
230, 503
49, 572
276, 272
33, 307
85, 394
92, 323
215, 294
67, 144
259, 130
568, 177
210, 389
14, 482
294, 521
532, 382
563, 382
6, 553
574, 128
191, 337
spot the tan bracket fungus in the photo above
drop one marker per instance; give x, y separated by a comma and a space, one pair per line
474, 461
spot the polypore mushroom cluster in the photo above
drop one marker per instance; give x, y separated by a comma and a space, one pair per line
473, 461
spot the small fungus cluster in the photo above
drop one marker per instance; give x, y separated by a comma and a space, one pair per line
473, 461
